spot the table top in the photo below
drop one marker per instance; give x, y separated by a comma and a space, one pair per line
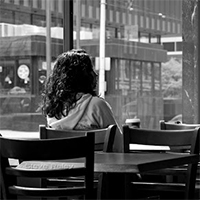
139, 162
119, 162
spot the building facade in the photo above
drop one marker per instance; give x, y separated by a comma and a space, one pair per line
133, 50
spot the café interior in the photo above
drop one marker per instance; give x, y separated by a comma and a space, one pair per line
146, 55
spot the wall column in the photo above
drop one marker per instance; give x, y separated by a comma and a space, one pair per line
191, 97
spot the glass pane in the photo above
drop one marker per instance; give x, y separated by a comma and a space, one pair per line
23, 60
145, 75
144, 44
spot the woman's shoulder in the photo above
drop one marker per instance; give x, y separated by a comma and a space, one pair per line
98, 101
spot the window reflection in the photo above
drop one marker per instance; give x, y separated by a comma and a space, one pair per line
23, 58
143, 41
7, 75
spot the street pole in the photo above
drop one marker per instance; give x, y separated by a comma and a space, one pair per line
78, 23
102, 49
68, 25
48, 36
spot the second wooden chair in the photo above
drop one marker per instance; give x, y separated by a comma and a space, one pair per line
183, 126
175, 139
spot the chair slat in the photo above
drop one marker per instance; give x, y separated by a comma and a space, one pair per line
46, 192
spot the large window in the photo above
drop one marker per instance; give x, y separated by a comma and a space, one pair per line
23, 59
144, 50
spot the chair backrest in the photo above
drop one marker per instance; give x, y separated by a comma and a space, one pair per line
104, 138
43, 150
171, 138
175, 139
174, 126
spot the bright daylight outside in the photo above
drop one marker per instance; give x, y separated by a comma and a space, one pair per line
143, 74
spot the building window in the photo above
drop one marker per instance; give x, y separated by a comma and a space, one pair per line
179, 46
173, 27
117, 17
179, 28
17, 2
35, 3
26, 3
147, 22
144, 37
163, 25
83, 10
39, 4
90, 11
97, 13
136, 20
141, 21
124, 76
130, 49
158, 24
152, 23
43, 4
130, 19
95, 32
169, 46
168, 26
124, 18
52, 5
146, 71
157, 77
116, 32
110, 32
111, 15
154, 39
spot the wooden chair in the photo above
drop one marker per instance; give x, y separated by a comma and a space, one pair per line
104, 140
172, 138
183, 126
43, 150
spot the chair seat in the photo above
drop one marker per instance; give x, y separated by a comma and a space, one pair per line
46, 192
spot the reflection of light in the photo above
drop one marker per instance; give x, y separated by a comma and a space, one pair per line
130, 5
161, 15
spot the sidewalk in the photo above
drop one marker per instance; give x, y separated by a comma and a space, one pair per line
19, 134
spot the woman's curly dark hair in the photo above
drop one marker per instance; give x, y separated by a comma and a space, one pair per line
72, 73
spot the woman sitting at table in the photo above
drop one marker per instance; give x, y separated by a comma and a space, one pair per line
70, 100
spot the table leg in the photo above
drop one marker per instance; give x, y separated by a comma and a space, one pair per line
111, 187
114, 186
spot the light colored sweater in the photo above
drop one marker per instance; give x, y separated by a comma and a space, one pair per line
89, 113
